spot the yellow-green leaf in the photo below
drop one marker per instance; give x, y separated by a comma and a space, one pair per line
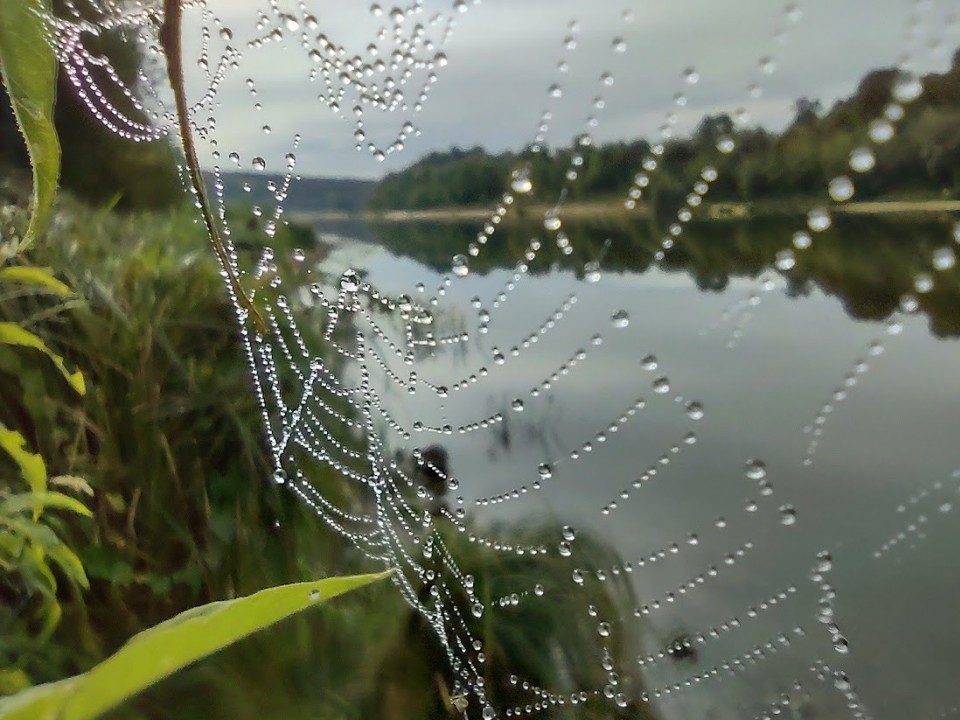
31, 465
13, 334
70, 563
36, 276
41, 501
156, 653
30, 71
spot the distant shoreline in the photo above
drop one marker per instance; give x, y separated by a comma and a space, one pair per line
609, 209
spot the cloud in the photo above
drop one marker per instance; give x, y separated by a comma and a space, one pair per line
503, 56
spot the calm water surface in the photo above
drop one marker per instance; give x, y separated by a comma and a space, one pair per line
763, 349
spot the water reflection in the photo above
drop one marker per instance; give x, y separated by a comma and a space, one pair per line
738, 581
869, 264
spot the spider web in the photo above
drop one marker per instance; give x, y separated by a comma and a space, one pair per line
387, 389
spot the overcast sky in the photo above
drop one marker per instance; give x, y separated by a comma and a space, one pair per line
503, 56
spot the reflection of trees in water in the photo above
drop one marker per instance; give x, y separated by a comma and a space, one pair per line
534, 629
869, 264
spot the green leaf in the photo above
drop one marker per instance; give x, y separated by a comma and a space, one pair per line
42, 500
70, 564
13, 334
38, 534
30, 72
31, 465
159, 652
40, 277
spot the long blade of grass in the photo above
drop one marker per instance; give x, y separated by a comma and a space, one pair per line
162, 650
37, 277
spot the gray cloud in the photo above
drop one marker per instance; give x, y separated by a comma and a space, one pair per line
503, 56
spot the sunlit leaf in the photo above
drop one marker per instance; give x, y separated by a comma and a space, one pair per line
41, 501
156, 653
13, 334
30, 72
31, 465
69, 562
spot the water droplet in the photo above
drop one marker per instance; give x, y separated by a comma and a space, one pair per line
545, 471
819, 219
520, 181
603, 629
538, 590
280, 477
314, 595
551, 220
477, 609
619, 45
649, 362
726, 144
569, 534
259, 163
768, 66
862, 159
349, 281
460, 266
564, 549
907, 88
517, 405
841, 645
661, 385
802, 240
620, 319
923, 283
785, 260
841, 188
591, 272
788, 516
755, 469
695, 411
690, 76
944, 258
488, 712
880, 131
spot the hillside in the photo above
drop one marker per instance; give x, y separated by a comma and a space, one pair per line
307, 195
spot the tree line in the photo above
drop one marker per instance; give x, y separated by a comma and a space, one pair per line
922, 160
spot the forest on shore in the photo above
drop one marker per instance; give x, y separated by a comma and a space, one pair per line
752, 163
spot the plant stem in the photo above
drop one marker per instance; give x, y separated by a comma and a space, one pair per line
172, 50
